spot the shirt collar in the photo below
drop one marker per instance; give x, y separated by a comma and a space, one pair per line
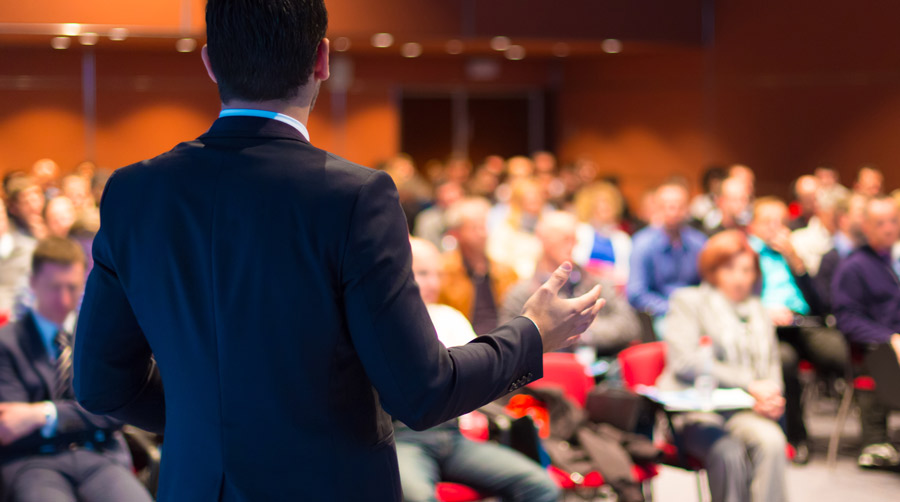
250, 112
48, 330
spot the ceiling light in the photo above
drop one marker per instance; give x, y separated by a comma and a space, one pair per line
411, 50
455, 47
185, 45
500, 43
341, 44
382, 40
118, 34
60, 43
611, 46
515, 53
88, 38
71, 29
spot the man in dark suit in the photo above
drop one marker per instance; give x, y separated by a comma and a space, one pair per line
266, 285
52, 449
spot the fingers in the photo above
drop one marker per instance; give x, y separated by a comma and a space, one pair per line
559, 277
587, 300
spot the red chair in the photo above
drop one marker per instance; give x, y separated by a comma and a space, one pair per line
452, 492
563, 371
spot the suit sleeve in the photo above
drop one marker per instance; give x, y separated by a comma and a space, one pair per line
638, 286
114, 373
419, 382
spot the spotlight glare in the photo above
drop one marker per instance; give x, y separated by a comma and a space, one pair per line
88, 38
60, 43
500, 44
341, 44
118, 34
455, 47
611, 46
71, 29
185, 45
515, 53
411, 50
382, 40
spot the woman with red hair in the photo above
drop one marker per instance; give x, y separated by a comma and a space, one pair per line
742, 451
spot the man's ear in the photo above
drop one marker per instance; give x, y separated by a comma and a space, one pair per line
204, 55
322, 71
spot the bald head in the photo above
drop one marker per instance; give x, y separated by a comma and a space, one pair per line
805, 189
556, 231
734, 198
881, 225
426, 266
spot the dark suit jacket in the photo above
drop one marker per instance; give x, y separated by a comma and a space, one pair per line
271, 282
26, 375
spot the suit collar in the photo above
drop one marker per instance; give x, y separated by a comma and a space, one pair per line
252, 127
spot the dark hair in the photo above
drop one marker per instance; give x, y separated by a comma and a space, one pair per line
56, 250
263, 50
711, 174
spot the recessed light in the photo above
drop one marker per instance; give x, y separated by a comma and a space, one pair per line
382, 40
455, 47
118, 34
500, 43
411, 50
611, 46
515, 53
88, 38
71, 29
185, 45
60, 43
341, 44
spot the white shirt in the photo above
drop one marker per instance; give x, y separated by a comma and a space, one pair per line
249, 112
453, 329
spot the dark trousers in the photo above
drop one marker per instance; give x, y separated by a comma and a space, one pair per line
71, 476
826, 349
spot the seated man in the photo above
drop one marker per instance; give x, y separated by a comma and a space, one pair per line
52, 449
615, 327
15, 263
442, 453
664, 258
794, 306
866, 293
473, 283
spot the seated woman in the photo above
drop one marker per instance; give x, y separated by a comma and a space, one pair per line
743, 451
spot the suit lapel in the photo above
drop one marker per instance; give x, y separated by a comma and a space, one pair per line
36, 352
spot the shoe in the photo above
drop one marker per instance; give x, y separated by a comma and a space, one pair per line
879, 456
801, 453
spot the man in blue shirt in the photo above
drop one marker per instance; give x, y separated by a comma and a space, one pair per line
52, 449
794, 306
664, 258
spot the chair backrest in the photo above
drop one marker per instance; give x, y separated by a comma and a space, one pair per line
561, 369
642, 364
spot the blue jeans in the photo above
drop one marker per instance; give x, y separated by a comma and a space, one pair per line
443, 454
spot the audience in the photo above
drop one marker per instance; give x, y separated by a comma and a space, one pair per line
511, 240
442, 453
603, 249
731, 211
503, 227
473, 283
25, 202
866, 294
664, 257
806, 190
793, 305
743, 452
429, 223
617, 325
15, 263
52, 448
869, 181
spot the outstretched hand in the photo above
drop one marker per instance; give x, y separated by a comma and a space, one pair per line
560, 321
